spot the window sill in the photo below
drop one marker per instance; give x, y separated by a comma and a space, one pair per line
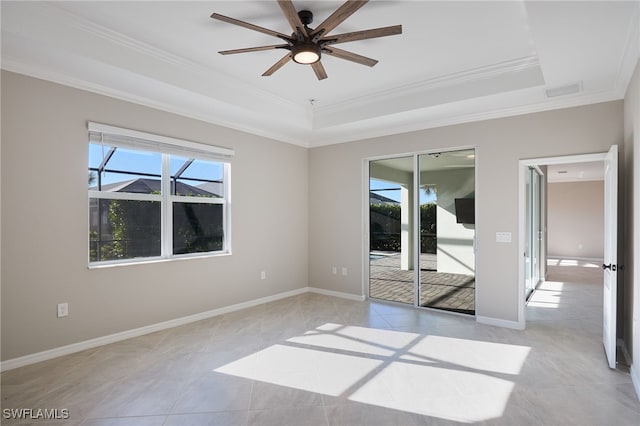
148, 261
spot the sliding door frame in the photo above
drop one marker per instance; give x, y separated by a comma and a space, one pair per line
536, 239
366, 243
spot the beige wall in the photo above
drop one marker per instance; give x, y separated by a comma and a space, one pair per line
575, 221
631, 235
277, 227
336, 215
45, 214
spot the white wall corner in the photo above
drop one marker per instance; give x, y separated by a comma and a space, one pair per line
631, 55
497, 322
342, 295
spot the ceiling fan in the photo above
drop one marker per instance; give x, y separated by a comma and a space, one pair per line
306, 45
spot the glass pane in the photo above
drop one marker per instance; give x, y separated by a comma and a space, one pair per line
527, 243
123, 229
124, 170
391, 271
196, 178
197, 228
534, 234
447, 231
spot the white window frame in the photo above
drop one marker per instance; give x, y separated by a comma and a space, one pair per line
167, 147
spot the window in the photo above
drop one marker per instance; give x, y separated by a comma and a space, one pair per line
152, 197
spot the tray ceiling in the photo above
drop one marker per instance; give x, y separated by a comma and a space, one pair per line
454, 62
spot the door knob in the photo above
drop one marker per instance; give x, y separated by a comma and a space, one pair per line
610, 266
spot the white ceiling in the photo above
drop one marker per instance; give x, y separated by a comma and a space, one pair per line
455, 61
575, 172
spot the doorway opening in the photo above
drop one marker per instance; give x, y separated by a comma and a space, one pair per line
575, 251
421, 230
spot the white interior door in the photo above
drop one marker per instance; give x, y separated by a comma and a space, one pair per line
610, 254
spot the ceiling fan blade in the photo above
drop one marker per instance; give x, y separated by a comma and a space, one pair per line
249, 26
275, 67
254, 49
349, 56
291, 14
321, 73
363, 35
337, 17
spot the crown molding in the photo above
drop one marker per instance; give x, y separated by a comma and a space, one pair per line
500, 68
126, 42
223, 114
82, 40
488, 80
500, 106
378, 127
172, 83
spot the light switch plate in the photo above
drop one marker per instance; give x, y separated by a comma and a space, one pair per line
503, 237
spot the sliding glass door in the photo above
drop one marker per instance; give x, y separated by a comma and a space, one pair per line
422, 230
391, 224
533, 242
447, 231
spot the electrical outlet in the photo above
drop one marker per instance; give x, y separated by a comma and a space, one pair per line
334, 270
344, 271
263, 275
63, 310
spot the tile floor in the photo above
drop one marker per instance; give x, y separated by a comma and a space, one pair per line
317, 360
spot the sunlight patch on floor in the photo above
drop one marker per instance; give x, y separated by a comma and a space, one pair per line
311, 370
422, 374
442, 392
551, 286
358, 339
548, 297
574, 262
472, 354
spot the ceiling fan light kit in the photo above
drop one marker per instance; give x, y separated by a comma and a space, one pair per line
305, 53
306, 45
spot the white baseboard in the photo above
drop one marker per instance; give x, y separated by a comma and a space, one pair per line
349, 296
635, 379
22, 361
116, 337
633, 371
625, 352
516, 325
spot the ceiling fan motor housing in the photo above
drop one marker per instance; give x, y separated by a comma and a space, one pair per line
306, 16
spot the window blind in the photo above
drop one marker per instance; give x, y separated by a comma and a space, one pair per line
123, 138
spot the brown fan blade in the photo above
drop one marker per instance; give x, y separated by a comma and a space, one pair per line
321, 73
292, 16
363, 35
249, 26
275, 67
254, 49
349, 56
337, 17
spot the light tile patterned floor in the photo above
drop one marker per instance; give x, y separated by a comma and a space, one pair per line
450, 292
318, 360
